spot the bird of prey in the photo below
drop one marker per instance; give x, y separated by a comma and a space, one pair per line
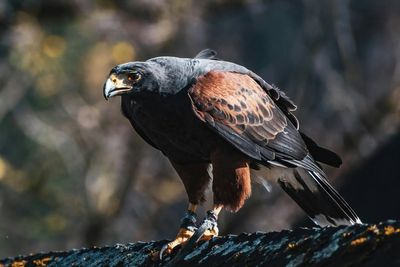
215, 121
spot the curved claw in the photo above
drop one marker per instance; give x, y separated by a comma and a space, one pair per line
182, 237
208, 224
163, 249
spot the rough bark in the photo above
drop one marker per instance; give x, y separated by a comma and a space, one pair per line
359, 245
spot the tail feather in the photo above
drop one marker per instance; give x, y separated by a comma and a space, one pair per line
321, 154
322, 203
337, 197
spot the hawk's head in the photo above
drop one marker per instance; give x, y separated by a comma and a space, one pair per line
162, 75
130, 78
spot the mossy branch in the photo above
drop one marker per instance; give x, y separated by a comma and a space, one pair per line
358, 245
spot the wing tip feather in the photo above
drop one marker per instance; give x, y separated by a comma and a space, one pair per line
322, 203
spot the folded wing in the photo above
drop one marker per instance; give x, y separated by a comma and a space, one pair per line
236, 107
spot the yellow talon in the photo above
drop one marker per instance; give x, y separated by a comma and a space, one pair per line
181, 238
209, 234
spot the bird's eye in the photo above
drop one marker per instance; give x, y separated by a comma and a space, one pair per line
134, 77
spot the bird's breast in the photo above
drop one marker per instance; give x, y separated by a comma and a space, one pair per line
170, 124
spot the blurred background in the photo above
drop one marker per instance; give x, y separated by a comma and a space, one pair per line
72, 171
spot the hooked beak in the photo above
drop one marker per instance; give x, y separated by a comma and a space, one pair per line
115, 86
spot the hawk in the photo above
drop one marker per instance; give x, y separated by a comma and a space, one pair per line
215, 121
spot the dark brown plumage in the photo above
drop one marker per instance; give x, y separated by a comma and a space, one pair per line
195, 178
205, 112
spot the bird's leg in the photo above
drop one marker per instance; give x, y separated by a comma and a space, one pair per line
207, 230
186, 231
210, 224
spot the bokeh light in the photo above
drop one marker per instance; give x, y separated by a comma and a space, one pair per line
123, 52
54, 46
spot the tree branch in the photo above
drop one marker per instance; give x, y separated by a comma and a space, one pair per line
366, 245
